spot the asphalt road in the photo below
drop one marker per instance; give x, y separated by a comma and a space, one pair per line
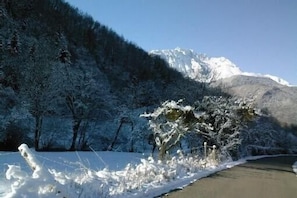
264, 178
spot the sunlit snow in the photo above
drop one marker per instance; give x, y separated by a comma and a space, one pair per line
99, 174
295, 167
206, 69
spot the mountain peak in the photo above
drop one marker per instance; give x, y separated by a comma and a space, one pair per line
202, 68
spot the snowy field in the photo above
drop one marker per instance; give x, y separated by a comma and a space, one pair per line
99, 174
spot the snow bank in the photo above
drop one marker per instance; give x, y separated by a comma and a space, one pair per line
294, 166
40, 183
148, 177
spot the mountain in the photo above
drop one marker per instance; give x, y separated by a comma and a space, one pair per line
203, 68
269, 92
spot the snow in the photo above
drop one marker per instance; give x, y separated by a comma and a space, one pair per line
295, 167
99, 174
278, 80
206, 69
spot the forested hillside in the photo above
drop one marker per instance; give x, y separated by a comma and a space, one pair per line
68, 82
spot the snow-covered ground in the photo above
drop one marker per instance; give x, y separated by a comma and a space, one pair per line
295, 167
98, 174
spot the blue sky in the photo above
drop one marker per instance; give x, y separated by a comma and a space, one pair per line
258, 36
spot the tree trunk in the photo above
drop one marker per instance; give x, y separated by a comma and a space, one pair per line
162, 152
124, 120
115, 137
38, 125
75, 128
82, 142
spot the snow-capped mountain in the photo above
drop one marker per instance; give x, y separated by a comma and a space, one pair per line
203, 68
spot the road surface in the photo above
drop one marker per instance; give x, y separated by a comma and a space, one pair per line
268, 177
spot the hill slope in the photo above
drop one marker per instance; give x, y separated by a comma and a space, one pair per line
270, 92
279, 100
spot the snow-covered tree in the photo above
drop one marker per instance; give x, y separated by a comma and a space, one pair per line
217, 120
84, 93
83, 99
170, 123
227, 118
265, 136
38, 90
